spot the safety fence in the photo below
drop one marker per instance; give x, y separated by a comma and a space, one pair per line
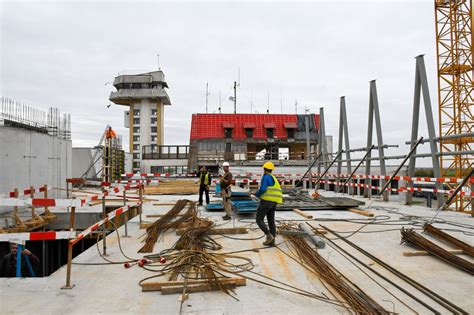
129, 177
249, 178
108, 189
19, 238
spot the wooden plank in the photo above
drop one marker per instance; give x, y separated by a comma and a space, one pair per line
158, 285
425, 253
196, 288
317, 230
304, 215
145, 225
361, 212
158, 215
164, 204
219, 231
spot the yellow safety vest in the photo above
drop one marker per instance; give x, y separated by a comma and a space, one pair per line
206, 179
273, 193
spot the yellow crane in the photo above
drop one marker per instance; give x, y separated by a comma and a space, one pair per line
454, 40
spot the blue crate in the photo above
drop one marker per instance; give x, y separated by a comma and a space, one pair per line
215, 206
244, 206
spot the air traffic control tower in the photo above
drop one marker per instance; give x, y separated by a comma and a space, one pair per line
145, 94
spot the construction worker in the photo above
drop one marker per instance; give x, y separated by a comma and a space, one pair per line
270, 195
226, 182
8, 263
204, 183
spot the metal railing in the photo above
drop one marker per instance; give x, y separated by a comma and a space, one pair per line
157, 152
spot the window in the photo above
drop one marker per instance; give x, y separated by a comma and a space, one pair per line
136, 147
153, 120
153, 138
136, 155
156, 169
269, 133
136, 121
136, 138
291, 133
136, 112
249, 133
136, 164
136, 129
228, 147
154, 129
228, 133
153, 111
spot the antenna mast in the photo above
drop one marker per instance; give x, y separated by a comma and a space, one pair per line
268, 102
207, 95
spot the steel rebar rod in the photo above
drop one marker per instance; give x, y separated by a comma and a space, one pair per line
356, 168
412, 150
327, 168
433, 295
368, 267
411, 237
441, 235
309, 168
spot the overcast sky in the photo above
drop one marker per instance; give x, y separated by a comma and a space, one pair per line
64, 53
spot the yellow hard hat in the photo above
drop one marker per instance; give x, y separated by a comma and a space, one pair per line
269, 166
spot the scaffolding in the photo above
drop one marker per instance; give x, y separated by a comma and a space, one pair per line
113, 157
455, 89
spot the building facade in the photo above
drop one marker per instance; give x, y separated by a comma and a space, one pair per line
36, 148
145, 96
248, 139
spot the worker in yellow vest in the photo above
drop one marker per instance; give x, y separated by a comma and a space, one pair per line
270, 195
204, 184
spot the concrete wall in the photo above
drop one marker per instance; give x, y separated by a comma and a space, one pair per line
128, 162
28, 158
81, 160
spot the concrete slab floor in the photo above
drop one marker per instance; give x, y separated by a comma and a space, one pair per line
107, 289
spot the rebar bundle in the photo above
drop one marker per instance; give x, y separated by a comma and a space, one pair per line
441, 235
189, 260
356, 299
170, 220
409, 236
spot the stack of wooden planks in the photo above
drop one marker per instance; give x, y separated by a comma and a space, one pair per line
173, 187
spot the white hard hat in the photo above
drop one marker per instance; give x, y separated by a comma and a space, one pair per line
225, 164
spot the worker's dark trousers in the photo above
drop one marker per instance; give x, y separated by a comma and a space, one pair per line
203, 189
266, 209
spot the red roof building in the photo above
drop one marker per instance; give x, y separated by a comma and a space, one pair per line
250, 138
212, 126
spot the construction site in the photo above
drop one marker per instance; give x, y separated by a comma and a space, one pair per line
289, 211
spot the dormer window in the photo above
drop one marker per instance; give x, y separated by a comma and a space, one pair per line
249, 128
270, 128
228, 128
290, 129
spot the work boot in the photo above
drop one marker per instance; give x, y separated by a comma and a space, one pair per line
270, 241
226, 217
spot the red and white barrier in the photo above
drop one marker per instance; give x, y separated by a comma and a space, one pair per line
24, 192
36, 236
40, 202
401, 189
97, 225
298, 175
